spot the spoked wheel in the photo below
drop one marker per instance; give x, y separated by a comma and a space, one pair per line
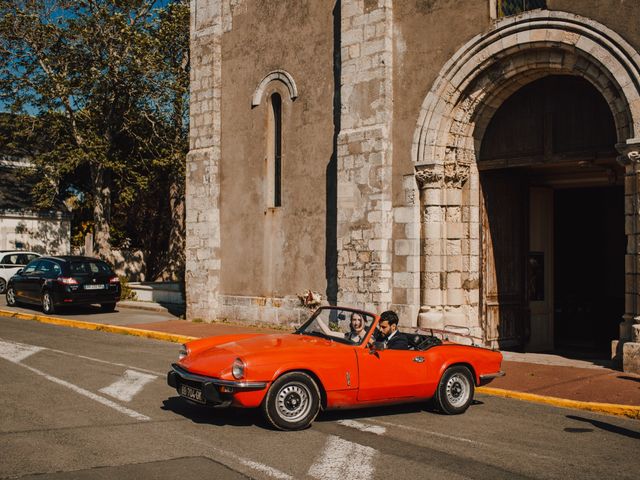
47, 303
3, 285
292, 402
455, 390
11, 297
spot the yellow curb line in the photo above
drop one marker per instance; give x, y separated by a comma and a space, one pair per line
610, 408
137, 332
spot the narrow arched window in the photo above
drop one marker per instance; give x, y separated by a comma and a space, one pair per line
274, 153
507, 8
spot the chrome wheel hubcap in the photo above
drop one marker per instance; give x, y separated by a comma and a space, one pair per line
46, 302
293, 401
3, 285
458, 389
11, 298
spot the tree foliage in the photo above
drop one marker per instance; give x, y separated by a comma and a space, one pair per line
106, 84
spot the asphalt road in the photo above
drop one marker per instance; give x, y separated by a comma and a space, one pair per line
79, 404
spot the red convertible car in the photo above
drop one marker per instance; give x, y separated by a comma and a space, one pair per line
330, 362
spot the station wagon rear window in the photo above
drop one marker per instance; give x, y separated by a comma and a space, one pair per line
89, 267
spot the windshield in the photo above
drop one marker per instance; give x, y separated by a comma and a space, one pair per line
336, 324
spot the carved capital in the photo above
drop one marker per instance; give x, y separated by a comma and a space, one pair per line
629, 152
455, 174
429, 177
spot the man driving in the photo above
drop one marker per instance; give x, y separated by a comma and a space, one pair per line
388, 332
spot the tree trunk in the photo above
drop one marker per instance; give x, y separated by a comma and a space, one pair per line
175, 251
101, 179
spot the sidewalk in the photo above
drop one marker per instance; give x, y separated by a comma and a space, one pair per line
535, 377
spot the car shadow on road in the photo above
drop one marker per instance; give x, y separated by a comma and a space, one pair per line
383, 411
605, 426
237, 417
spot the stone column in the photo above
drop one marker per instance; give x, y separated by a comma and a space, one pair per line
449, 246
627, 348
365, 216
433, 276
202, 275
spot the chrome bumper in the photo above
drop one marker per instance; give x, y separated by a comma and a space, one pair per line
487, 377
239, 385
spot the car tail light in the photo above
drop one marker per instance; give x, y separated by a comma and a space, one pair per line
67, 281
114, 279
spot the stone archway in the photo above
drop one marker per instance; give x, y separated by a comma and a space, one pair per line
454, 116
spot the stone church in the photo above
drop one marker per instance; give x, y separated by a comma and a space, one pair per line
468, 163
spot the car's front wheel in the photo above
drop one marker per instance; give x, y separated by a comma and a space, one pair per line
11, 297
3, 285
292, 402
47, 303
455, 390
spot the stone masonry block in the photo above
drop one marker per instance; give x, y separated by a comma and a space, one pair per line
412, 230
455, 230
403, 280
631, 357
404, 215
406, 247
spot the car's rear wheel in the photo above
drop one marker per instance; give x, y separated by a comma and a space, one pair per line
455, 390
292, 402
3, 285
11, 297
107, 307
47, 303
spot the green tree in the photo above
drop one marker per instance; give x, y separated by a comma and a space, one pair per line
109, 83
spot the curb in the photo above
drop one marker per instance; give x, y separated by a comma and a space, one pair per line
137, 332
608, 408
152, 306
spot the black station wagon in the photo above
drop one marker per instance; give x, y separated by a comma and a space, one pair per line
54, 282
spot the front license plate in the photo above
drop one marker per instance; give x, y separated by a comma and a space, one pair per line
94, 287
191, 393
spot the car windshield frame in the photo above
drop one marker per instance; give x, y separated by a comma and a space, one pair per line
312, 328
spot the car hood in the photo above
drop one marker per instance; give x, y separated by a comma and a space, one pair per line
255, 351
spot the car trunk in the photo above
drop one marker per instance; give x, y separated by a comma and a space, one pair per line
92, 277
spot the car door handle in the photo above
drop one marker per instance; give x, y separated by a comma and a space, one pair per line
418, 359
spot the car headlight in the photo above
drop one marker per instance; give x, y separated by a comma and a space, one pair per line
184, 351
237, 369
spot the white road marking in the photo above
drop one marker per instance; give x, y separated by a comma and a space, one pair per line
128, 386
363, 426
98, 360
460, 439
16, 352
261, 467
429, 432
88, 394
152, 372
342, 460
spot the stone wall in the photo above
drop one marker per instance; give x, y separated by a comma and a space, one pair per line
202, 270
365, 213
407, 115
46, 234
